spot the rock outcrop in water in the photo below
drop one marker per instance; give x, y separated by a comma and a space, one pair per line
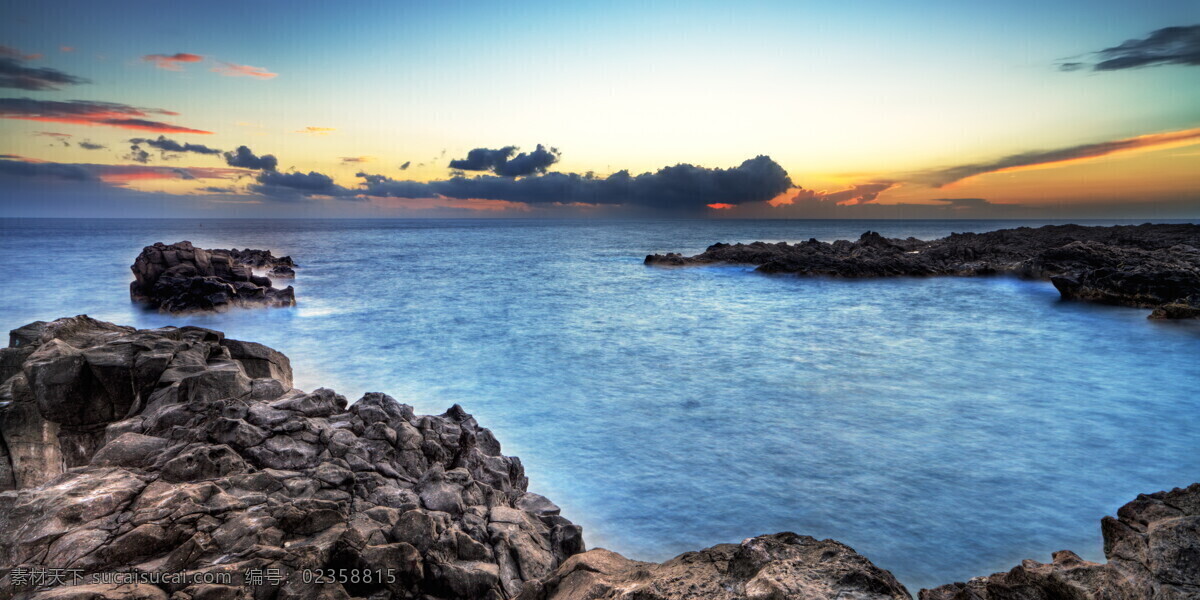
1151, 266
779, 566
1153, 551
178, 451
180, 277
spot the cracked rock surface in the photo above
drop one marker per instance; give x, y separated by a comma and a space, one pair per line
1148, 266
178, 450
180, 277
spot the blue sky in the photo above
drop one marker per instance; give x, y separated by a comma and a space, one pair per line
838, 94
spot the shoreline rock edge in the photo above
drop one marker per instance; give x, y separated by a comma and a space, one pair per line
181, 450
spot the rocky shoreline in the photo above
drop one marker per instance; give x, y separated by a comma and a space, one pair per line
182, 278
178, 450
1146, 266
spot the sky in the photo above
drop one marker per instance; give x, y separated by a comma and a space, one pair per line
854, 109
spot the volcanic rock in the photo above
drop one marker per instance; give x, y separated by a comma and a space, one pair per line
180, 277
1153, 552
1151, 266
179, 450
779, 566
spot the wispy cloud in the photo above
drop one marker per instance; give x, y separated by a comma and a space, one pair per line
1062, 156
172, 62
235, 70
15, 74
357, 159
10, 52
317, 130
859, 193
60, 137
1166, 46
92, 113
168, 145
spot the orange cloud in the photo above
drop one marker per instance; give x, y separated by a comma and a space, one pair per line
442, 202
122, 174
236, 70
172, 62
66, 48
84, 112
11, 52
1049, 159
719, 206
317, 130
859, 193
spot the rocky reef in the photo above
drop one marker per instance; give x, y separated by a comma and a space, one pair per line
180, 277
1149, 266
1153, 552
187, 461
780, 566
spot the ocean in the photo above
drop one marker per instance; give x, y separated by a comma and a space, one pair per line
945, 428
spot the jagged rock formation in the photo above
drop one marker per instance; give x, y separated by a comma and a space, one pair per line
1153, 551
180, 277
779, 566
179, 450
1152, 266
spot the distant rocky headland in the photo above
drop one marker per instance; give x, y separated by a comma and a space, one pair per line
1150, 266
190, 459
180, 278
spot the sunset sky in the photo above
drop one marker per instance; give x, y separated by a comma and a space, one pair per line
1070, 109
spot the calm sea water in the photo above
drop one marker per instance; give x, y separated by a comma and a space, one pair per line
945, 428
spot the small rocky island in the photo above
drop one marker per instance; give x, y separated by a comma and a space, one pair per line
181, 278
1148, 266
179, 451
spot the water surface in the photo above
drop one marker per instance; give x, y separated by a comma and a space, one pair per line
945, 428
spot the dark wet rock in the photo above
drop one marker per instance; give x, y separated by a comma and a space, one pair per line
1151, 266
179, 450
180, 277
1153, 552
257, 259
779, 566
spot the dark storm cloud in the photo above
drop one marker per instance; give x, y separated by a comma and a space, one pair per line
14, 74
681, 187
243, 157
948, 175
503, 162
46, 170
169, 145
1166, 46
87, 145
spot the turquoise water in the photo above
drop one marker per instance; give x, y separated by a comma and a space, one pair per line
945, 428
